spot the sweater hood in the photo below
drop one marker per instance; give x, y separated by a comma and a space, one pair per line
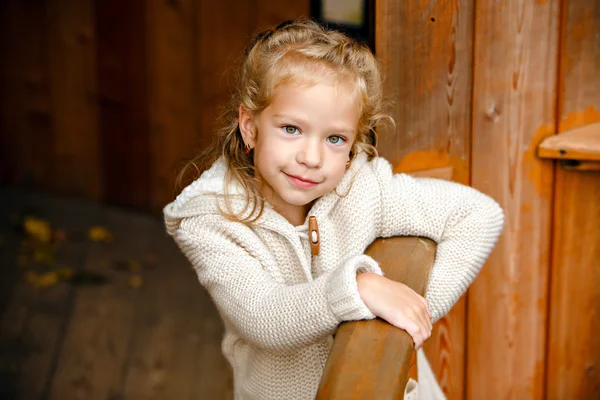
204, 195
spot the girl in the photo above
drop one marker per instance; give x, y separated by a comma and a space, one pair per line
277, 227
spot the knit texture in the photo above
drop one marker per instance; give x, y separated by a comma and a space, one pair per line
280, 305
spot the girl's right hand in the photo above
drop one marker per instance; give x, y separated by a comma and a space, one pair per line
397, 304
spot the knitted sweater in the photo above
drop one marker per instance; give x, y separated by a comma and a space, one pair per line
280, 305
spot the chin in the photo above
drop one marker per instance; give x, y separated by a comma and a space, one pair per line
299, 200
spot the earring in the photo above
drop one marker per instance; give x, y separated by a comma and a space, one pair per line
247, 149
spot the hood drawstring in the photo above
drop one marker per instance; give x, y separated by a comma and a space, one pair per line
313, 235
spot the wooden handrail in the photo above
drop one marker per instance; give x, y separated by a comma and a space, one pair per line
371, 359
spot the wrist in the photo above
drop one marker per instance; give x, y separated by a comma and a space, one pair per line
366, 282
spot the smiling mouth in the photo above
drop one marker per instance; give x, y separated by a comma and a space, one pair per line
298, 181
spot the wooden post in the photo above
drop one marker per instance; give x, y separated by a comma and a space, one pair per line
371, 359
573, 352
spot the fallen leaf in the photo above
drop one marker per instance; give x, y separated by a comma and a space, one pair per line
135, 281
38, 228
99, 234
41, 280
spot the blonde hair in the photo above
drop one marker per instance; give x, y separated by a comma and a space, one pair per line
296, 51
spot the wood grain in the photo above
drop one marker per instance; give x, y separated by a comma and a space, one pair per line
176, 353
26, 130
173, 107
371, 359
573, 369
122, 96
426, 52
513, 110
33, 325
70, 41
95, 354
577, 144
223, 36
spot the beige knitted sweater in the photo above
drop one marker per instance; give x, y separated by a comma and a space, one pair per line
280, 305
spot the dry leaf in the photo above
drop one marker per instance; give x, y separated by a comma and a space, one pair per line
135, 281
41, 280
99, 234
38, 228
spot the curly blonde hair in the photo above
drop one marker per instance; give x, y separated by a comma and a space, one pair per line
300, 51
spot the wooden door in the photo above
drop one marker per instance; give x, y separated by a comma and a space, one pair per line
426, 51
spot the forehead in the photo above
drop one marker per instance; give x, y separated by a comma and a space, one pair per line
325, 106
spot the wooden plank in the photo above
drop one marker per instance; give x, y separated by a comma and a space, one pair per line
96, 349
514, 85
444, 173
426, 51
122, 97
574, 348
172, 92
72, 75
32, 327
372, 359
578, 144
26, 123
174, 354
222, 38
573, 369
272, 13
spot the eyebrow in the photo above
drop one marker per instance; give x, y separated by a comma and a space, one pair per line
301, 121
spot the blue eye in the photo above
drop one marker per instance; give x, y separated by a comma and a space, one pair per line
336, 139
292, 130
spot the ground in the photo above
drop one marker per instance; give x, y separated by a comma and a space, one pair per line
97, 302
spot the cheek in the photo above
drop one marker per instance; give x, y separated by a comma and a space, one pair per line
337, 170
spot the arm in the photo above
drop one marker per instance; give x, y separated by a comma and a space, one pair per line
464, 222
266, 313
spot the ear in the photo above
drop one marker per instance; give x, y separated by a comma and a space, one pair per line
247, 126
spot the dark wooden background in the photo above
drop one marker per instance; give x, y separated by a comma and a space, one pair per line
102, 99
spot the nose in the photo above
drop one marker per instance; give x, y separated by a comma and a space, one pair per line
311, 153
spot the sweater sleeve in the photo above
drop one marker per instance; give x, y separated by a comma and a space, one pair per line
464, 223
267, 313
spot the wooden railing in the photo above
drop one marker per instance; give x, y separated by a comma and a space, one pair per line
372, 359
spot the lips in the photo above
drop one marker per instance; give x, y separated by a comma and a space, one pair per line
302, 182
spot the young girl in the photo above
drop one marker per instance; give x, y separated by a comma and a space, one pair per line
277, 227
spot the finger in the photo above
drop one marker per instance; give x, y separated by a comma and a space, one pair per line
426, 303
419, 343
423, 319
422, 335
415, 333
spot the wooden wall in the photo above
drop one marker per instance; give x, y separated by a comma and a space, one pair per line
102, 99
477, 85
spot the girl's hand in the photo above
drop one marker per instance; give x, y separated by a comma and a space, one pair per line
397, 304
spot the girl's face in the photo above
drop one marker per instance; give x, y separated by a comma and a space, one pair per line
302, 142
